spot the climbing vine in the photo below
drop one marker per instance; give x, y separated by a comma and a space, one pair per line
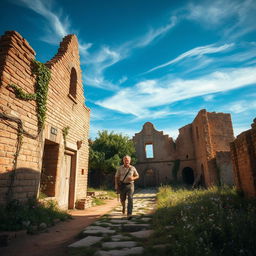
43, 76
65, 134
20, 94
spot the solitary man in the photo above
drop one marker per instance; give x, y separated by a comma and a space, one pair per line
124, 180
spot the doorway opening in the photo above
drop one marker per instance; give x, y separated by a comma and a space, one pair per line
188, 175
49, 168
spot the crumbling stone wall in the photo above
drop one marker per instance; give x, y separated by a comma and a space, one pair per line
200, 154
243, 151
156, 170
224, 167
211, 132
65, 109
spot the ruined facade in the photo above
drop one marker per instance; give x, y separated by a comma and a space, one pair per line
55, 161
200, 155
155, 169
243, 150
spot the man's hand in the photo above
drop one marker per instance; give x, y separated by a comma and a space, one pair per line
130, 178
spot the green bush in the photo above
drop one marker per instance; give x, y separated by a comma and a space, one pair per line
17, 216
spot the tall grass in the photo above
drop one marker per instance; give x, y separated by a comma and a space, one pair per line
213, 222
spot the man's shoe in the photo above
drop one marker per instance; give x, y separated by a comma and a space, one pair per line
129, 216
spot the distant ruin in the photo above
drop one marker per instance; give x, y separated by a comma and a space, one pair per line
55, 161
243, 150
199, 156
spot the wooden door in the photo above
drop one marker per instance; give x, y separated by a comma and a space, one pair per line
64, 182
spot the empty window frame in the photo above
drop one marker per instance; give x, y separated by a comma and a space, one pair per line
149, 151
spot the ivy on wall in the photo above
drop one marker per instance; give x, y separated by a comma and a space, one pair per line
43, 76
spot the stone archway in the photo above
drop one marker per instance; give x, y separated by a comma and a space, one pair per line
188, 176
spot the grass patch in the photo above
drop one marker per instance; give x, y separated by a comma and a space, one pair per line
217, 221
19, 216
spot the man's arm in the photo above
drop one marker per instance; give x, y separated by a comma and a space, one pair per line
135, 176
117, 178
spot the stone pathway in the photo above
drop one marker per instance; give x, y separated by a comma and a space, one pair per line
115, 235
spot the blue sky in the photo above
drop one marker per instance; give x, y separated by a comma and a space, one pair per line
150, 60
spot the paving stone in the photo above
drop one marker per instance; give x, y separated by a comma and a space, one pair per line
93, 230
123, 244
122, 252
97, 228
142, 233
87, 241
134, 227
119, 221
117, 238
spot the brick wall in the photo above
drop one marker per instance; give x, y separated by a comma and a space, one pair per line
196, 149
243, 151
156, 170
15, 68
65, 108
224, 165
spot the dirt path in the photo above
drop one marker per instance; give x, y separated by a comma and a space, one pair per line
55, 241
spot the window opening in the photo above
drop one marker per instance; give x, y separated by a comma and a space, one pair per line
149, 151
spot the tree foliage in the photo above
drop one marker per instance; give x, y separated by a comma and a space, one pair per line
107, 151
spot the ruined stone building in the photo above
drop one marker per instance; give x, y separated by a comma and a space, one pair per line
55, 158
243, 150
200, 154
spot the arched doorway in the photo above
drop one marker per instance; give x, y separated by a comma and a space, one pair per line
188, 175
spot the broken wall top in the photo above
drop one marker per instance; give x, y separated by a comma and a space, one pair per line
163, 145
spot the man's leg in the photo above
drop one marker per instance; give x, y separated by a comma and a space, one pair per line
122, 199
130, 200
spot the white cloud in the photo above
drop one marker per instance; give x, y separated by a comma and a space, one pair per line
58, 27
213, 14
241, 106
198, 51
139, 99
105, 57
209, 97
94, 129
154, 33
239, 129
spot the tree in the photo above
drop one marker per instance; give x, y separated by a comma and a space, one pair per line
106, 153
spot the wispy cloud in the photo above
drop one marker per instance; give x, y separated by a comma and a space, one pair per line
241, 106
213, 14
106, 56
147, 94
198, 51
59, 25
150, 36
